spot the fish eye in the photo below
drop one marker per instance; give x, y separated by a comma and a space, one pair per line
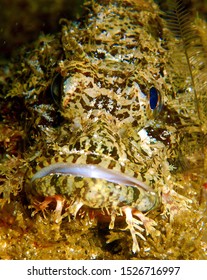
56, 89
155, 99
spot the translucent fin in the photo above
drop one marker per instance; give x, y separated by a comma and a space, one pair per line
135, 229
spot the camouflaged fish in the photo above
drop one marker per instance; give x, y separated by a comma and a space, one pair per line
103, 118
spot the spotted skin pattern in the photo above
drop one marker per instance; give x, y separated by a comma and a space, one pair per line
100, 91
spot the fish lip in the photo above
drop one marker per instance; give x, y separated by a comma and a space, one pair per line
92, 171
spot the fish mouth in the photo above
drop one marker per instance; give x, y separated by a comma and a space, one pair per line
92, 171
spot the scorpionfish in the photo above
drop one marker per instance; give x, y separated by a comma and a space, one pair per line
103, 117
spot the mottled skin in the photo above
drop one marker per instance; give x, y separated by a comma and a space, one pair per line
98, 113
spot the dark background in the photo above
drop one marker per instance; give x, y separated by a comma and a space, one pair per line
22, 21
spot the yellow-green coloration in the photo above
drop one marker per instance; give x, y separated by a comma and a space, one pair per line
86, 105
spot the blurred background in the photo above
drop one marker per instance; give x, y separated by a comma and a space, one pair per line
22, 21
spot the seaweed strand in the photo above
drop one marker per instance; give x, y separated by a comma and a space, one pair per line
180, 21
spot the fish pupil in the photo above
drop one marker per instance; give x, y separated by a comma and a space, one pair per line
153, 98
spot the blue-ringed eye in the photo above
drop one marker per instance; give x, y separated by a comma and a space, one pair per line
154, 99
